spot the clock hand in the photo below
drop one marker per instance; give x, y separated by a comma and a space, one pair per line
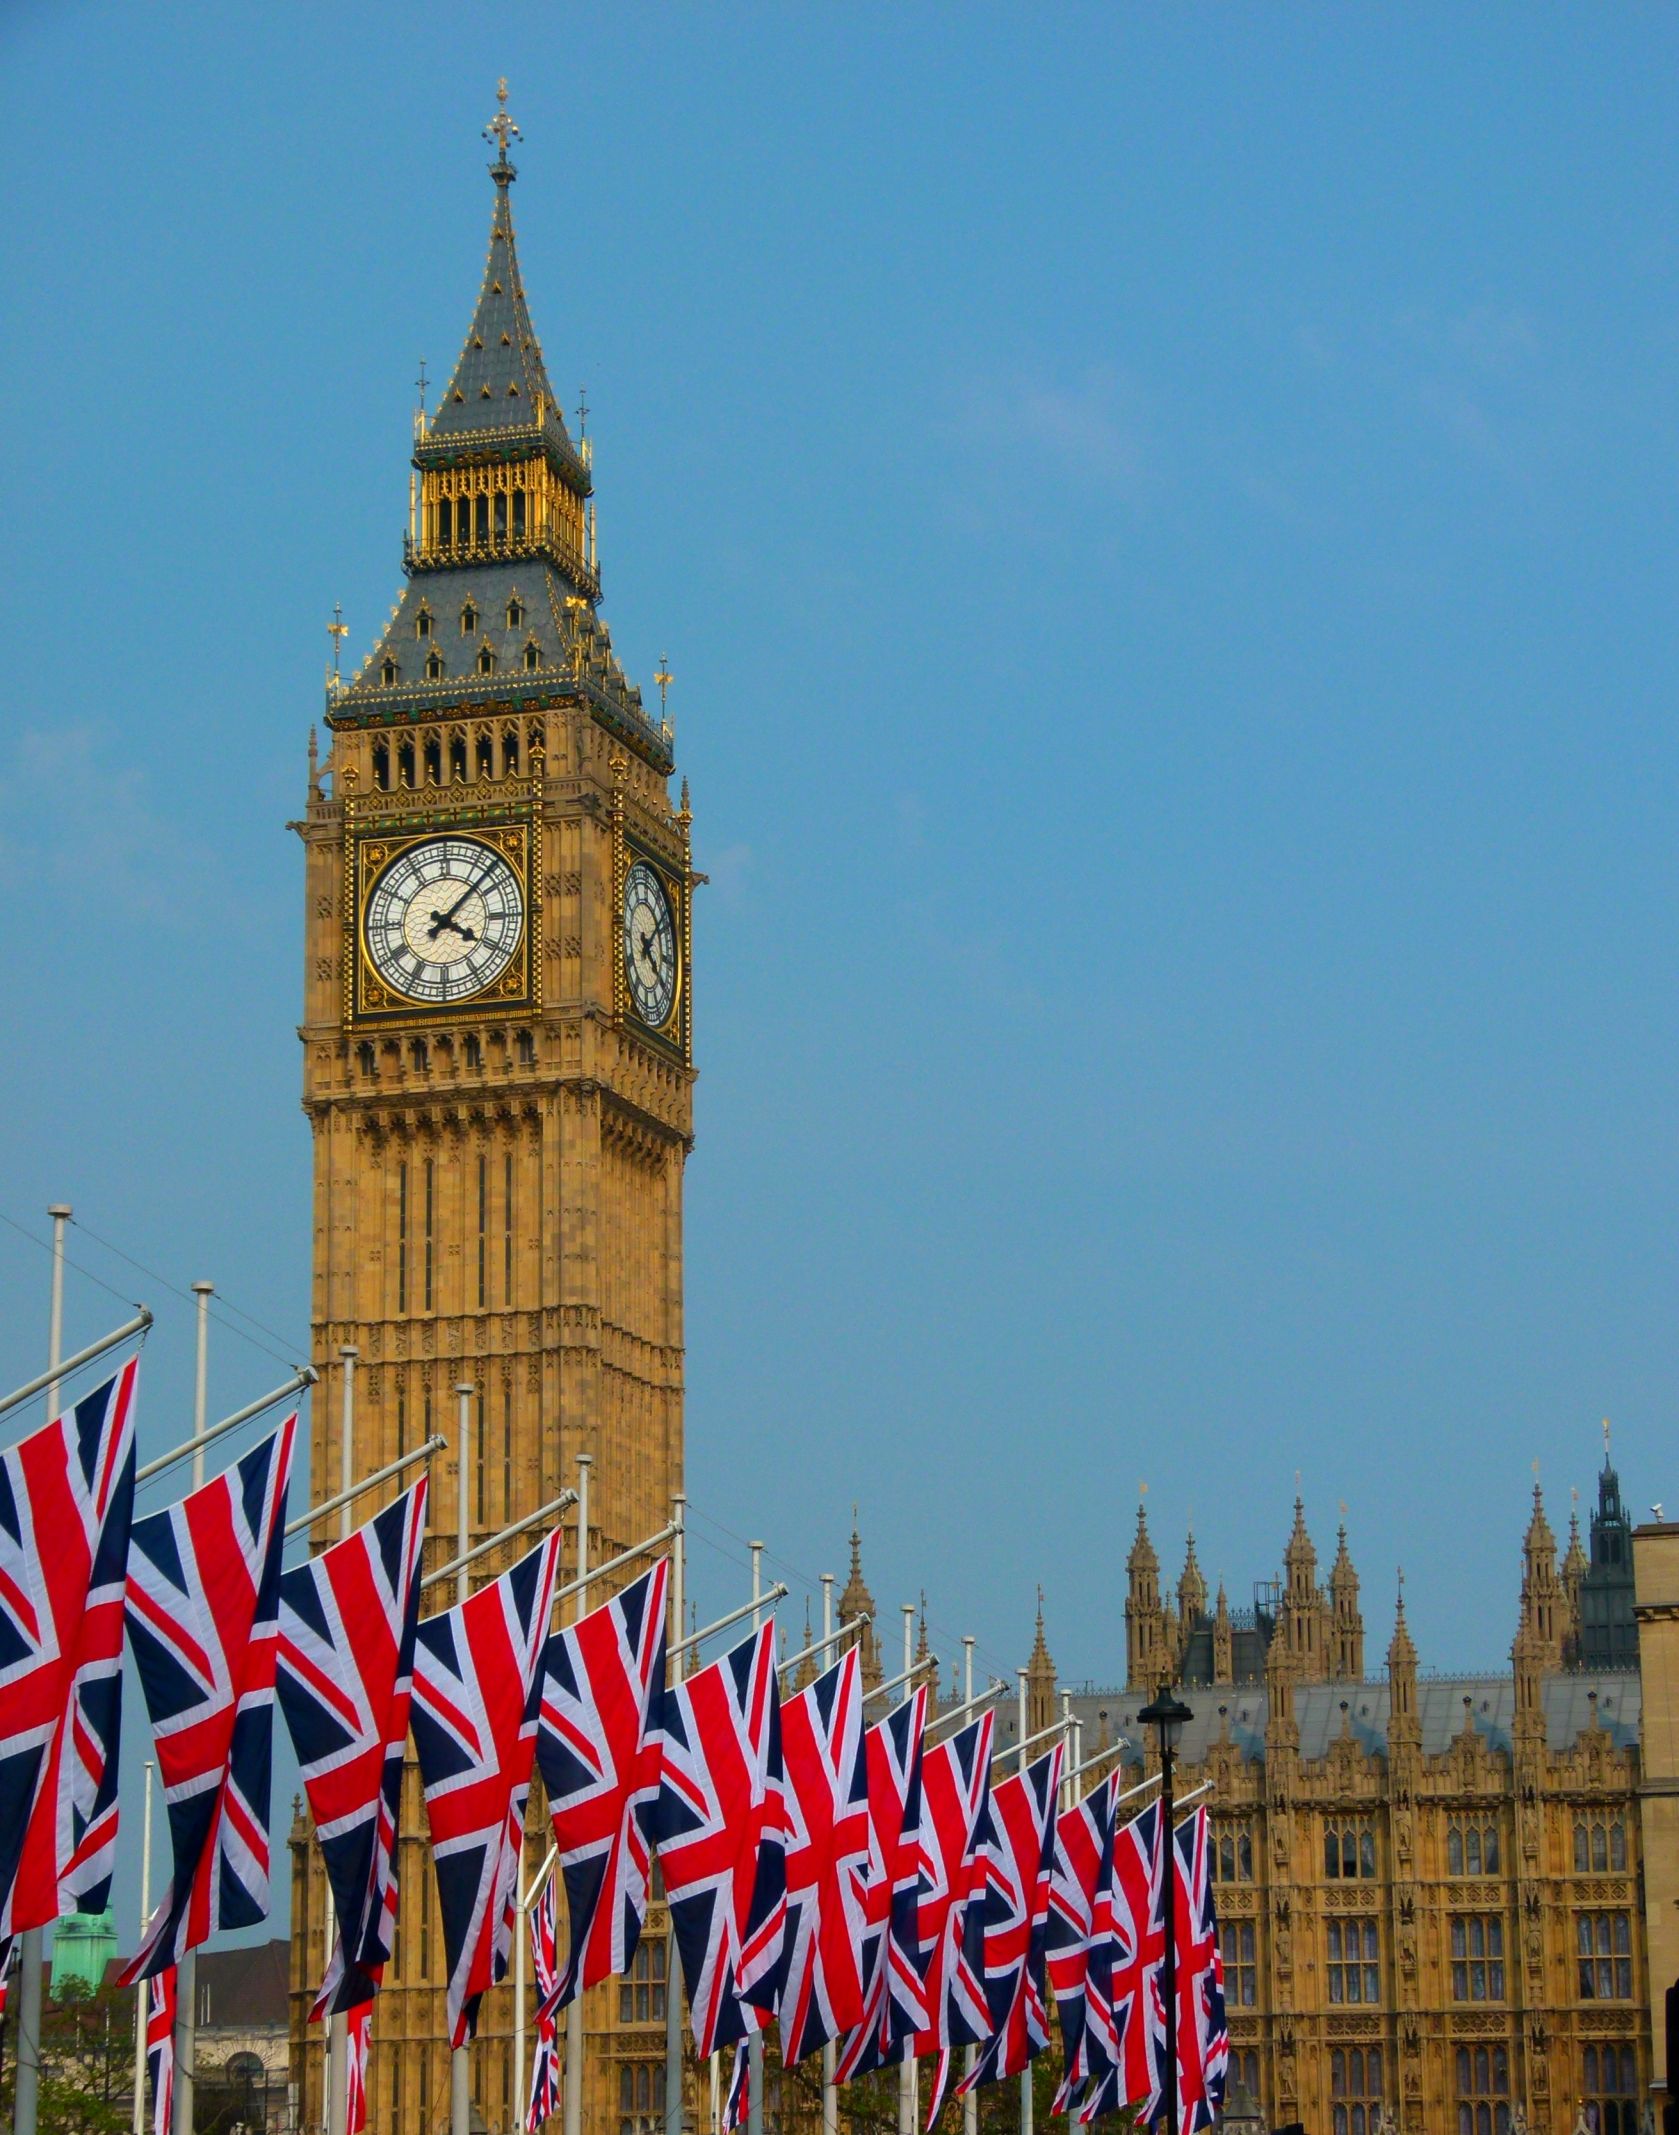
447, 918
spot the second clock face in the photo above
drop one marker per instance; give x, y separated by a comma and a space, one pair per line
649, 945
444, 920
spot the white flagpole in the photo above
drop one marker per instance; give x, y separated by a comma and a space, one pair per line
673, 1982
31, 1950
830, 2094
906, 2067
755, 2044
970, 2104
460, 2066
142, 1993
186, 1976
338, 2030
573, 2096
1026, 2072
521, 1928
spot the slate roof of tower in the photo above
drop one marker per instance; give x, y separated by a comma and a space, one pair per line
500, 380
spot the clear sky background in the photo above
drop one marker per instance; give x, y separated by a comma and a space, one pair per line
1164, 525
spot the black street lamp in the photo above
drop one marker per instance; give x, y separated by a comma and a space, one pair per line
1168, 1714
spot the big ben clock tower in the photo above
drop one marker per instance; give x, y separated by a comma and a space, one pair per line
497, 1045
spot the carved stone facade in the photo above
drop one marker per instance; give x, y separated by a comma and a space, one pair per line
498, 1177
1431, 1890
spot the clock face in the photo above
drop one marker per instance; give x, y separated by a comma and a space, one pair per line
650, 962
444, 920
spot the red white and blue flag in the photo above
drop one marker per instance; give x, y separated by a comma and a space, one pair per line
827, 1799
66, 1505
477, 1671
955, 1837
720, 1827
894, 2009
357, 2030
1016, 1920
1203, 2035
160, 2047
1136, 1925
344, 1678
1078, 1939
545, 2068
598, 1746
203, 1620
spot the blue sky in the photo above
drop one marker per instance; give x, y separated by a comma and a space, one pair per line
1163, 522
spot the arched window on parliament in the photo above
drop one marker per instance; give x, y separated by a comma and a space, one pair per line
434, 667
367, 1059
1349, 1850
487, 661
515, 613
486, 757
405, 763
533, 656
434, 761
1600, 1846
445, 523
422, 623
1232, 1855
1236, 1945
382, 767
527, 1049
636, 2087
501, 515
387, 674
469, 620
1604, 1941
641, 1991
1354, 1969
483, 516
1355, 2089
457, 757
1472, 1846
510, 753
1483, 2090
1609, 2080
519, 513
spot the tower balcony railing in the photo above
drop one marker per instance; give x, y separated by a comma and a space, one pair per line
503, 548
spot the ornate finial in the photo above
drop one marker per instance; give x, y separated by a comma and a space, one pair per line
664, 678
1402, 1590
501, 130
685, 814
1606, 1441
338, 630
582, 413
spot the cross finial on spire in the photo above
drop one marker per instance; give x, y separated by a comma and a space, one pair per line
501, 130
338, 630
664, 678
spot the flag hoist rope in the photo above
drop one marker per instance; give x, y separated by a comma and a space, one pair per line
143, 1991
186, 1973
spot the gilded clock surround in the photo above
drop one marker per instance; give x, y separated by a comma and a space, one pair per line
372, 840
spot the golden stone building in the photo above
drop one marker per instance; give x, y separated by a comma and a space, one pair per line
1430, 1887
497, 1049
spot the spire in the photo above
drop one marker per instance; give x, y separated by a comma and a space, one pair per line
1192, 1590
924, 1656
1346, 1624
1404, 1727
1224, 1644
856, 1600
1543, 1599
1142, 1557
499, 381
1040, 1679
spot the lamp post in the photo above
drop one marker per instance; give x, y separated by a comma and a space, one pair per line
1167, 1714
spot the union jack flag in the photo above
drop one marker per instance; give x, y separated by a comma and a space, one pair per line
203, 1620
894, 2009
476, 1686
598, 1747
344, 1677
66, 1503
738, 2103
545, 2068
720, 1826
1136, 1929
1203, 2035
827, 1859
1016, 1920
358, 2026
1077, 1960
955, 1837
160, 2047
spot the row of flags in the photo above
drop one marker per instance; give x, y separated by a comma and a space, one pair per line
853, 1884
